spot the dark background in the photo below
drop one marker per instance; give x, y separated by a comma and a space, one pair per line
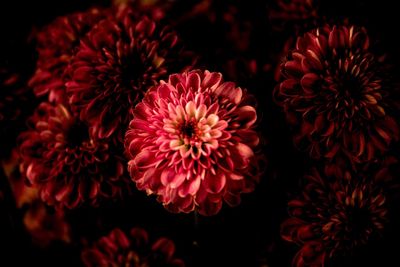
247, 235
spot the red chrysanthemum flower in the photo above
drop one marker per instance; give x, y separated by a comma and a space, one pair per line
118, 249
55, 45
333, 90
65, 162
192, 142
335, 215
115, 64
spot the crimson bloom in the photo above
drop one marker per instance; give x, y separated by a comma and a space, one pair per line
55, 45
65, 162
192, 142
334, 92
336, 214
115, 64
119, 249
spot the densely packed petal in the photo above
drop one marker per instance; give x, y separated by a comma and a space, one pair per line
335, 93
192, 142
65, 162
55, 46
115, 64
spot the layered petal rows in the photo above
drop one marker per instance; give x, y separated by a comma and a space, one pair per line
334, 92
192, 142
62, 158
115, 64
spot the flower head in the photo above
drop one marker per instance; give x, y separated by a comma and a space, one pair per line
333, 90
65, 162
335, 215
55, 45
119, 249
192, 142
115, 64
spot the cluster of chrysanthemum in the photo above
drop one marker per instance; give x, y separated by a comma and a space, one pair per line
191, 139
92, 67
341, 104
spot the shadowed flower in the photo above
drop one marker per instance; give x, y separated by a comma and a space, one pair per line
14, 100
115, 64
119, 249
55, 45
192, 142
334, 92
335, 215
65, 162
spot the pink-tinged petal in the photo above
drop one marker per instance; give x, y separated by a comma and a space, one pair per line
201, 111
247, 116
135, 147
64, 192
212, 120
244, 150
230, 91
170, 178
193, 81
190, 109
211, 80
176, 144
215, 183
190, 187
143, 160
184, 151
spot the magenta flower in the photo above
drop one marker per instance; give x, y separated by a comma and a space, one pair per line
192, 142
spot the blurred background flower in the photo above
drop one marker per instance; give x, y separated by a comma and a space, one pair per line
61, 157
335, 93
133, 249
